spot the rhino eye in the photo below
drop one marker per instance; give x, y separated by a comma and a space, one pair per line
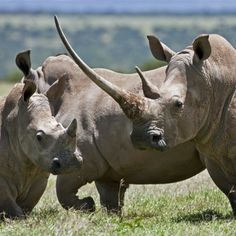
178, 104
39, 135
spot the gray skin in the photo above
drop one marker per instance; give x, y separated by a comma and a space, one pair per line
196, 102
32, 145
109, 157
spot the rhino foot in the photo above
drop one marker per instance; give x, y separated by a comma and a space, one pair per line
114, 210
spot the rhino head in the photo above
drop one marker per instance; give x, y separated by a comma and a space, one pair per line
179, 108
36, 135
191, 102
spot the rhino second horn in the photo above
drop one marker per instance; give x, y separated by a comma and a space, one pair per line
149, 90
72, 128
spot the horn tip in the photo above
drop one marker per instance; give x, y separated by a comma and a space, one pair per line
150, 37
137, 69
56, 19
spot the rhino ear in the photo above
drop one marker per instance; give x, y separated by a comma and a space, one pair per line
202, 47
23, 62
56, 90
159, 50
28, 90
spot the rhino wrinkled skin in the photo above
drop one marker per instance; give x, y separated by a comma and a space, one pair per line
195, 103
103, 135
32, 145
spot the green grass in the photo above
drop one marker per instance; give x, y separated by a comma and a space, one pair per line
192, 207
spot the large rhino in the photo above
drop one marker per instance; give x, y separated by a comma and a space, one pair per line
32, 145
104, 136
195, 103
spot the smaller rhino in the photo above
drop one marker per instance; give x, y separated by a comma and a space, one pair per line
32, 145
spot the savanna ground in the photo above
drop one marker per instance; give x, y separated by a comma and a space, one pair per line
191, 207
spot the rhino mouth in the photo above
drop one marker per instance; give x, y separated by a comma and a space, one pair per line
159, 144
54, 172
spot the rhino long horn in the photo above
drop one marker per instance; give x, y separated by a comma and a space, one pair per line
131, 104
72, 128
149, 90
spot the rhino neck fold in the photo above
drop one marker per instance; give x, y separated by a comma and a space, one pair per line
15, 146
213, 134
9, 133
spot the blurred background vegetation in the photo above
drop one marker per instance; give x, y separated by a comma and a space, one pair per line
115, 41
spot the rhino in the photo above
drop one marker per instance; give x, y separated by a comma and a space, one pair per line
195, 103
32, 145
103, 136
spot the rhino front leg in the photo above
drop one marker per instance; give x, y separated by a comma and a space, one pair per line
67, 187
222, 182
36, 191
10, 209
8, 206
112, 195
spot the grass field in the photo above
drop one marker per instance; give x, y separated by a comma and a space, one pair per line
192, 207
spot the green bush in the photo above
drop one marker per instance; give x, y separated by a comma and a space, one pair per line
13, 77
152, 64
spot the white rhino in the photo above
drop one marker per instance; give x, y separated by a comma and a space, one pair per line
195, 103
104, 136
32, 145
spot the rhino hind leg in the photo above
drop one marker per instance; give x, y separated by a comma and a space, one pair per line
111, 195
222, 183
67, 187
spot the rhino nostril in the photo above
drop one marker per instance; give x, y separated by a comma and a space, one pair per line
56, 163
156, 137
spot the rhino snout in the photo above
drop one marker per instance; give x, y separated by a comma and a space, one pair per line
65, 163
